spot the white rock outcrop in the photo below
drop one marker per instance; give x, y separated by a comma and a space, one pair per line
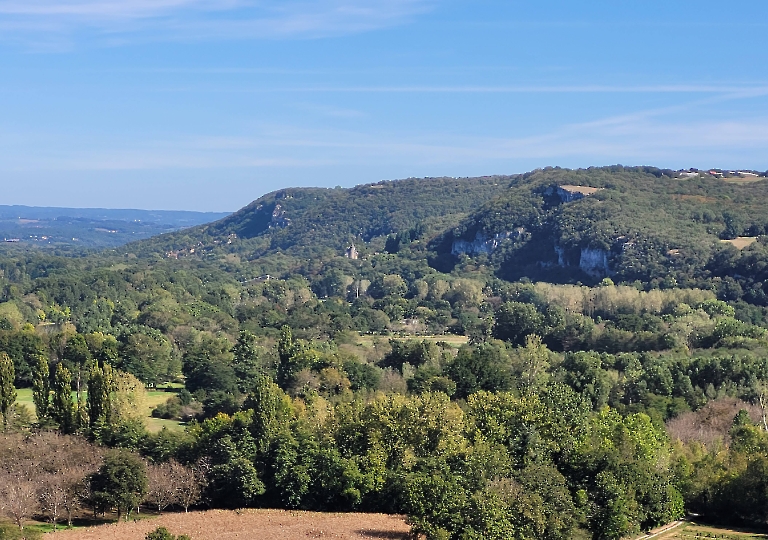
482, 244
594, 262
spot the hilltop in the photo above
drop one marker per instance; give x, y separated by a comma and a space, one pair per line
656, 227
312, 221
629, 224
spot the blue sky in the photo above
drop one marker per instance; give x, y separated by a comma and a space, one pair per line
208, 104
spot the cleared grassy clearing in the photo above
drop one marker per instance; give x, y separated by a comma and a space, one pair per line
24, 397
154, 398
693, 530
368, 341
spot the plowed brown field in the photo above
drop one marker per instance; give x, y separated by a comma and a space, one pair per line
256, 524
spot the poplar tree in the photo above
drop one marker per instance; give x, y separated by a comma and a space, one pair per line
100, 387
62, 408
7, 389
246, 360
41, 387
80, 416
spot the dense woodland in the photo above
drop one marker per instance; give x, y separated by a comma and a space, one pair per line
581, 405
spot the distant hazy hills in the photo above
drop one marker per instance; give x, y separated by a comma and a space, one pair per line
90, 227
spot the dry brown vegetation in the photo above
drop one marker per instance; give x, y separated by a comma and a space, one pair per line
44, 474
47, 476
741, 242
261, 524
711, 423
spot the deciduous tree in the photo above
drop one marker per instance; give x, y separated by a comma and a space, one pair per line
120, 483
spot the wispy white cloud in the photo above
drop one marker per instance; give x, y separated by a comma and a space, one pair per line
629, 139
102, 9
693, 132
741, 90
61, 21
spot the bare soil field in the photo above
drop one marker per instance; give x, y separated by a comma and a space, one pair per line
247, 524
741, 242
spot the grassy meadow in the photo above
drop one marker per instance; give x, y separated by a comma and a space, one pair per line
694, 531
153, 399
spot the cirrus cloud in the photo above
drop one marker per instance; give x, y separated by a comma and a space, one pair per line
52, 23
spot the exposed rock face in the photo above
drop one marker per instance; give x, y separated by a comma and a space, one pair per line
594, 262
278, 218
482, 244
561, 261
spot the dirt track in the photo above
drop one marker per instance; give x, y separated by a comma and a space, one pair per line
256, 524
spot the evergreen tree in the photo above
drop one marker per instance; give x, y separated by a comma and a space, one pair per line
285, 344
81, 413
285, 351
246, 360
271, 413
62, 408
41, 387
7, 389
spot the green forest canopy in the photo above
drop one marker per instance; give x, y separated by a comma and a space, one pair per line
579, 393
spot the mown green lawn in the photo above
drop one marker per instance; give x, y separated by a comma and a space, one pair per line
154, 398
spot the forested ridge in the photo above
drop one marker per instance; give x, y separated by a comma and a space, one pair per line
322, 222
584, 400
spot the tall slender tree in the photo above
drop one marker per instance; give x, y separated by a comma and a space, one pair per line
100, 387
246, 361
7, 388
62, 408
41, 387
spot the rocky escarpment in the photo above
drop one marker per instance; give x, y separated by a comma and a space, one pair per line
591, 261
483, 244
594, 262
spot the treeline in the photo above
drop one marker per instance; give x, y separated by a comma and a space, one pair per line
307, 379
495, 440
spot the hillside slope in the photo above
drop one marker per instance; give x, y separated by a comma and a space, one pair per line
627, 223
309, 221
